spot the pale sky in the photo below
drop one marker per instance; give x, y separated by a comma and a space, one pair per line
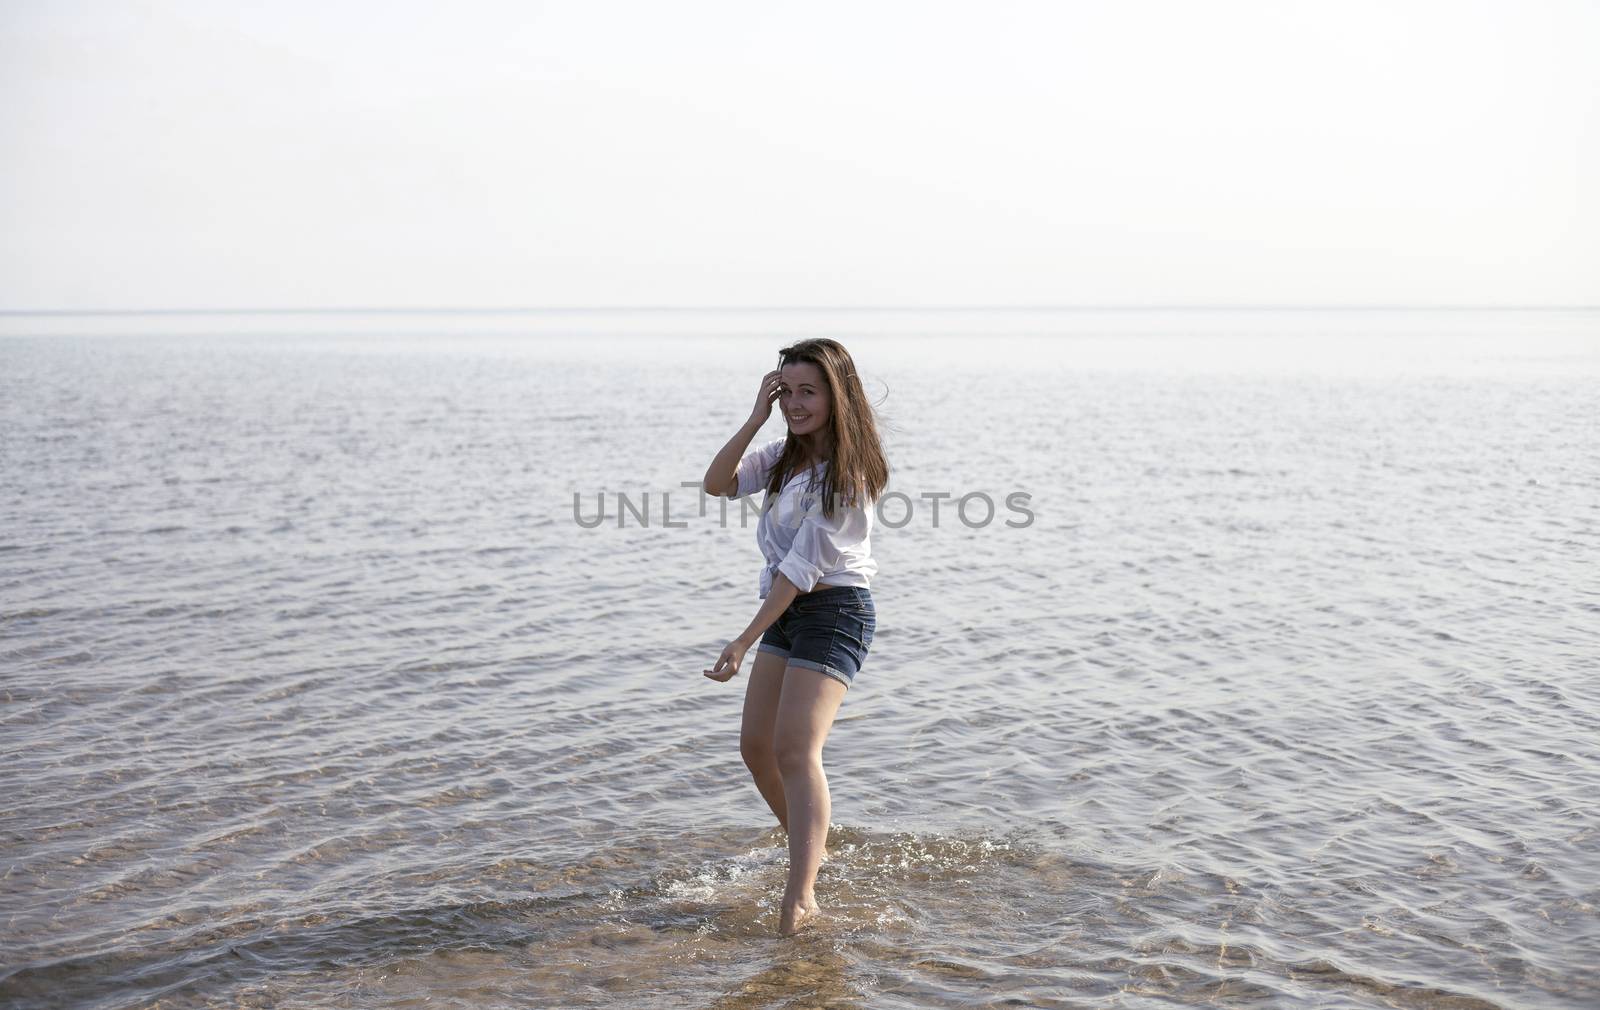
1128, 152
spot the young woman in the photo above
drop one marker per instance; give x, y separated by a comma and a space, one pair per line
816, 624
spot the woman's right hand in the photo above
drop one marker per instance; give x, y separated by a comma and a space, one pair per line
771, 383
727, 664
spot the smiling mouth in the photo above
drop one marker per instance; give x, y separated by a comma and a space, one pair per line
794, 418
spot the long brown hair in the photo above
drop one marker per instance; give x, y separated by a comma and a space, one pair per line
858, 471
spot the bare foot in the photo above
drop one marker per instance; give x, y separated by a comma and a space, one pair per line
797, 914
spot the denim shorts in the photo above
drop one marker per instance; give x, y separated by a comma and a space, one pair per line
828, 630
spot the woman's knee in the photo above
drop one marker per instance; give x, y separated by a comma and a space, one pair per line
758, 752
795, 752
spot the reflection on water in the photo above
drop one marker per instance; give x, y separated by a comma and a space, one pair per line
315, 693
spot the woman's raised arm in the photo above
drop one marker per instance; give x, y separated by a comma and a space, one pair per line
720, 475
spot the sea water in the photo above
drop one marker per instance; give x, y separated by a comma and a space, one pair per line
316, 690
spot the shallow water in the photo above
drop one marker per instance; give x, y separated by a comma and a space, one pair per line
315, 692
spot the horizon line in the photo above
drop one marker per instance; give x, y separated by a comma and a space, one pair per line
554, 309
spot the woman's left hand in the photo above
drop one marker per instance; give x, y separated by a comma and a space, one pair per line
728, 662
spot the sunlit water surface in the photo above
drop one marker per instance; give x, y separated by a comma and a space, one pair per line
316, 692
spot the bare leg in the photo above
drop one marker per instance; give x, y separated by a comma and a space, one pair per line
805, 714
758, 730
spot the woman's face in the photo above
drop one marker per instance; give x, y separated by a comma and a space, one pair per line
804, 398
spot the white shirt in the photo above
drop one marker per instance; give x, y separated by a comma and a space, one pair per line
796, 538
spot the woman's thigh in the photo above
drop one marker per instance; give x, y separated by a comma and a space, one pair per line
761, 695
806, 709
